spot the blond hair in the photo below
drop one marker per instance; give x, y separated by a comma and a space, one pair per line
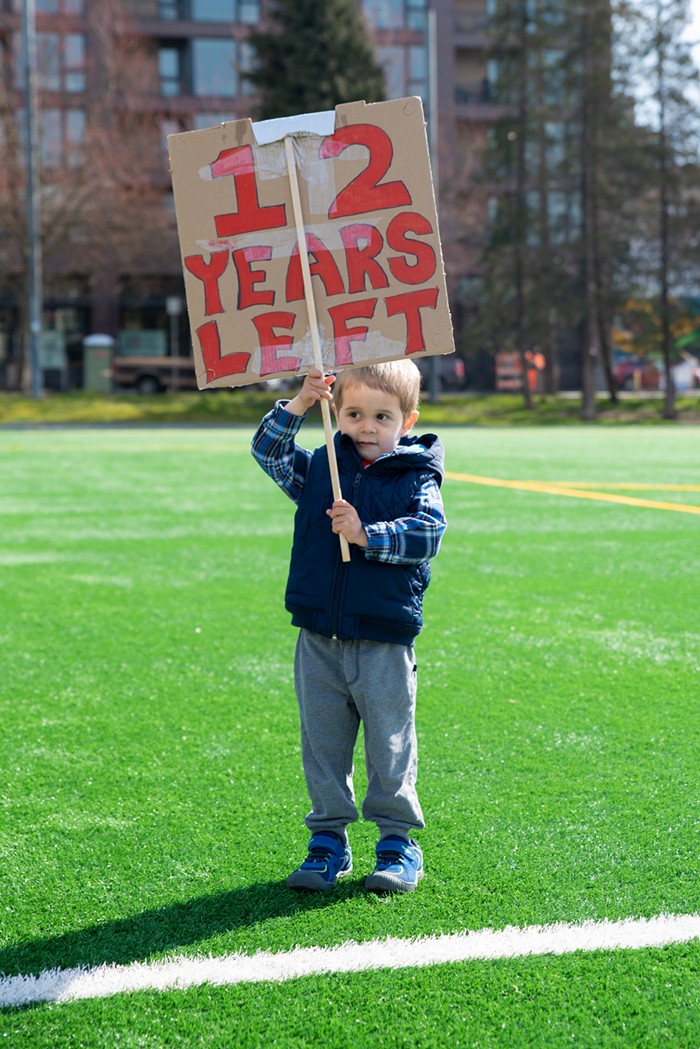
400, 378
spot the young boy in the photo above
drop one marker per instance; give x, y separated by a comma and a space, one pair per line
354, 657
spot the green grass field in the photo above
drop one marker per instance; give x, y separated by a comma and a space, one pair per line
151, 788
246, 404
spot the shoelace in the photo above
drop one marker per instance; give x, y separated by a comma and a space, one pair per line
319, 853
388, 859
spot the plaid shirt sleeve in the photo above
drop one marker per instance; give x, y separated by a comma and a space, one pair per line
411, 539
275, 449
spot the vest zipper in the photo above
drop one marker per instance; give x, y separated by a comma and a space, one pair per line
356, 489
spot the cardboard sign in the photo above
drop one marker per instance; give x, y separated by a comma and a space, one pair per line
371, 233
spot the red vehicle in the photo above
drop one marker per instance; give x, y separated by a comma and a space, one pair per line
635, 373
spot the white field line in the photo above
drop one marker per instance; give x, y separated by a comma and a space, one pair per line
65, 985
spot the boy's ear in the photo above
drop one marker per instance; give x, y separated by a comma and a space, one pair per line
335, 410
409, 422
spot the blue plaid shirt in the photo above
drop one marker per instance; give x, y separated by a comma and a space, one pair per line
408, 540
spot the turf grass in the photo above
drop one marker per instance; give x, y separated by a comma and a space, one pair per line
152, 797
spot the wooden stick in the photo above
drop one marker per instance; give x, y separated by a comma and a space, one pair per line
313, 326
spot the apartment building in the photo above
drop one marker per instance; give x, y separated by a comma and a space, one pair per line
191, 60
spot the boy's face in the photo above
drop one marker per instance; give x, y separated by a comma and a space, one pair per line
373, 419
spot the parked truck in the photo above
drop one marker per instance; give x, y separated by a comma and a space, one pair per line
153, 374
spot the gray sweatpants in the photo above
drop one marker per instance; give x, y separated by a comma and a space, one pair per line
339, 684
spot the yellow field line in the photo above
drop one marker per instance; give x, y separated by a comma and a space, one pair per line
621, 486
573, 493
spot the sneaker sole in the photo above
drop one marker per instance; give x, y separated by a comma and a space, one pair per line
313, 882
383, 882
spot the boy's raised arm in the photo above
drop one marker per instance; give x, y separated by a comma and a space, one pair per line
274, 444
316, 387
275, 450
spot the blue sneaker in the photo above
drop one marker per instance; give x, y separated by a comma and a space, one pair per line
329, 858
399, 866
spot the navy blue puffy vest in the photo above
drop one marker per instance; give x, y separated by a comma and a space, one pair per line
364, 599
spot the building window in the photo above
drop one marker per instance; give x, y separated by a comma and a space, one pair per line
200, 121
170, 69
397, 14
385, 14
212, 10
417, 15
563, 217
418, 72
558, 150
498, 88
391, 60
171, 10
61, 61
74, 62
204, 67
62, 134
249, 11
246, 11
555, 77
246, 62
59, 7
405, 70
214, 68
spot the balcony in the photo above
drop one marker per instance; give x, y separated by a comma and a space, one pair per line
162, 29
472, 33
476, 101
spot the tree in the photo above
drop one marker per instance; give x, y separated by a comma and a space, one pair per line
639, 328
529, 264
593, 58
125, 228
668, 108
100, 202
588, 203
312, 57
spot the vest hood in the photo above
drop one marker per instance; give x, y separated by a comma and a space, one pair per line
425, 454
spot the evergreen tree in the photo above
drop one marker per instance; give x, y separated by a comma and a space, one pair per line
312, 57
